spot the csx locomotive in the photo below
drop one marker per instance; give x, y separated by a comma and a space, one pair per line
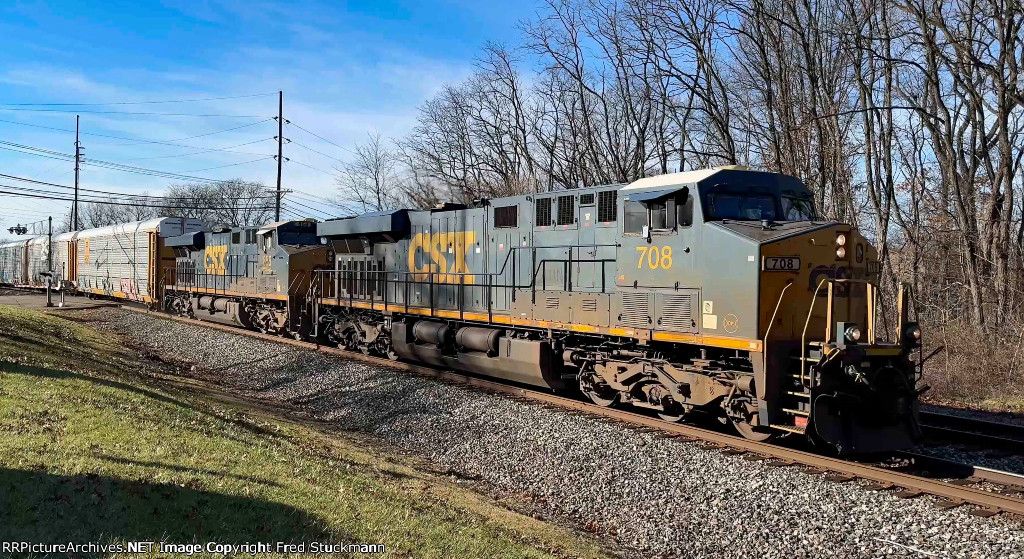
716, 291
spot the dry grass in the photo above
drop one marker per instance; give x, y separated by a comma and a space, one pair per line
980, 370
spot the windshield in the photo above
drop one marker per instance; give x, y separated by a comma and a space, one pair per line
298, 233
741, 206
798, 208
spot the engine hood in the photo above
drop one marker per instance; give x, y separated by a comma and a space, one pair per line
778, 230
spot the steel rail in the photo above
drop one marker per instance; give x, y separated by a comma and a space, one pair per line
989, 502
974, 430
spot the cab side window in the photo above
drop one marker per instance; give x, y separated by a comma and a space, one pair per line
684, 209
268, 242
634, 218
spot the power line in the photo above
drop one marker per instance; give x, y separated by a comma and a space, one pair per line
310, 132
133, 102
312, 197
127, 194
141, 140
312, 167
226, 148
41, 194
315, 151
120, 166
211, 115
264, 158
301, 205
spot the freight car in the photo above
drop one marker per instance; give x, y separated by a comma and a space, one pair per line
119, 261
717, 290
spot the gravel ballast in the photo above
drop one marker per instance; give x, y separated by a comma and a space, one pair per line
657, 497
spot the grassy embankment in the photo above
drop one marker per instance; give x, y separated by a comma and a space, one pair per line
93, 449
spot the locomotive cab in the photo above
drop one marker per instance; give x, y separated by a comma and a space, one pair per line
776, 308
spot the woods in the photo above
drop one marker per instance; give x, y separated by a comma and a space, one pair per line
903, 117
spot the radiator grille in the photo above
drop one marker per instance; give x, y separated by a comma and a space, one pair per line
675, 312
606, 205
543, 212
588, 305
586, 199
566, 210
551, 303
635, 310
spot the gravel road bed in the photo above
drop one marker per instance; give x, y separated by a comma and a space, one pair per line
657, 497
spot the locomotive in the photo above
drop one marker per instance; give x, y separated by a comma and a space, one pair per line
715, 290
712, 291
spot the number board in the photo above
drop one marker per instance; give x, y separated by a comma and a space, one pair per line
782, 263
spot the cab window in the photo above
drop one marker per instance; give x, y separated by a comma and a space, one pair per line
634, 218
684, 210
662, 215
268, 242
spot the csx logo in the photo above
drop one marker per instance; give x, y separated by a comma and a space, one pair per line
442, 254
214, 258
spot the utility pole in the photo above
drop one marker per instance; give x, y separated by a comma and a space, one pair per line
49, 252
78, 158
280, 144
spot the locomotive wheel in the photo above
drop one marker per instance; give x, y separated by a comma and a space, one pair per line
675, 416
671, 411
748, 431
599, 394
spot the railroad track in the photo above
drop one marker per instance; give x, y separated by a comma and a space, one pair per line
1005, 437
987, 491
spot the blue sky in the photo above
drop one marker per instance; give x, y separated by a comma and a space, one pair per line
346, 69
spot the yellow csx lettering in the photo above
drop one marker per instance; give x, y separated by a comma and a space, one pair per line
214, 259
441, 254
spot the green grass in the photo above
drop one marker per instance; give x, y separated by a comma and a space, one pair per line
95, 448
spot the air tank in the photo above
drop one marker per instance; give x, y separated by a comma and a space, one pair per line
478, 339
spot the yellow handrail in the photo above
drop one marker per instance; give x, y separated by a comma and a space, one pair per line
803, 337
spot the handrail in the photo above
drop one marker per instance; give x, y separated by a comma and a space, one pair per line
764, 351
803, 337
828, 325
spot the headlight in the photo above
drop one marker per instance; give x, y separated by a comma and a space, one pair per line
912, 333
841, 240
841, 253
853, 334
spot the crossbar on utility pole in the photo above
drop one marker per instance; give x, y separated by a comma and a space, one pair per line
280, 158
78, 158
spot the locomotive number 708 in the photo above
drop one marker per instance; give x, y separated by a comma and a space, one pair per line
655, 257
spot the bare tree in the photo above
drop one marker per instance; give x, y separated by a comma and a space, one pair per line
369, 181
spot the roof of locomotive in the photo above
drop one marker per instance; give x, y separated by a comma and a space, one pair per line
685, 177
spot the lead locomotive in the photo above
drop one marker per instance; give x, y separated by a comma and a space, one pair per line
716, 290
